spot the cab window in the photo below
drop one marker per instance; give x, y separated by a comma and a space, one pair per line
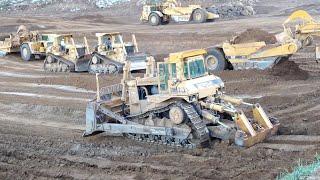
186, 70
197, 68
117, 39
174, 70
164, 76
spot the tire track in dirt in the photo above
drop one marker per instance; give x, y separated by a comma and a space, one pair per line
291, 143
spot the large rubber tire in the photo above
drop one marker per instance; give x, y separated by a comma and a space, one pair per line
199, 16
26, 52
215, 60
154, 19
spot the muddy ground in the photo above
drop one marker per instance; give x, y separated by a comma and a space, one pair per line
43, 114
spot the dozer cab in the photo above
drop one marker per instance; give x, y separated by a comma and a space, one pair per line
112, 52
162, 12
31, 45
66, 56
176, 103
261, 55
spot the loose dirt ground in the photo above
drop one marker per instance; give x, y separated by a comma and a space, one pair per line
43, 114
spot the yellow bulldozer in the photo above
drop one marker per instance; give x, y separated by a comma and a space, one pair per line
31, 45
162, 12
66, 56
262, 55
176, 103
112, 52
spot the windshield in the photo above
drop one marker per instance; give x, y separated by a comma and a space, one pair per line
118, 39
195, 68
130, 49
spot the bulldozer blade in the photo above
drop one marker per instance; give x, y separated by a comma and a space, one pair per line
265, 127
241, 139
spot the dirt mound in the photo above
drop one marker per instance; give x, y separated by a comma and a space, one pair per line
255, 35
289, 70
21, 21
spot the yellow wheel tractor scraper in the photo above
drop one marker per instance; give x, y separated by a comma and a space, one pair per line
31, 45
176, 103
262, 55
157, 12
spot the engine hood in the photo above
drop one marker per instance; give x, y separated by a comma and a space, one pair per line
203, 86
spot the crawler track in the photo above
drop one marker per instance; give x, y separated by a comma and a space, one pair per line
200, 131
104, 65
54, 63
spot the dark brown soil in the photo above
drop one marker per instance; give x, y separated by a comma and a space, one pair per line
255, 35
97, 18
289, 70
21, 21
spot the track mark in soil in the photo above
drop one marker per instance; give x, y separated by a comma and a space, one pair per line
106, 164
43, 96
295, 139
21, 68
291, 143
287, 147
37, 122
18, 62
20, 75
53, 86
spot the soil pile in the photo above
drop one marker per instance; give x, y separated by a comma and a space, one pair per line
255, 35
289, 70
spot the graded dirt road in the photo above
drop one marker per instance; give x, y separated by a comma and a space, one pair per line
42, 115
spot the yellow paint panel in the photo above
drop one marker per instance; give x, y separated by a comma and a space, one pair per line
300, 14
281, 50
177, 57
244, 49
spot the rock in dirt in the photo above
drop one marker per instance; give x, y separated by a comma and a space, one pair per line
289, 70
255, 35
234, 8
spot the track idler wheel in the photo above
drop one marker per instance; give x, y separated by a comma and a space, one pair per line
176, 115
47, 66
